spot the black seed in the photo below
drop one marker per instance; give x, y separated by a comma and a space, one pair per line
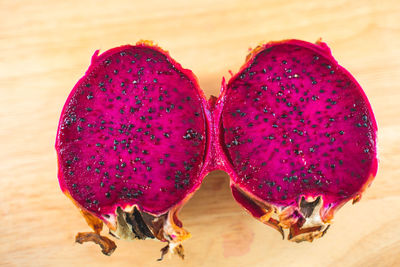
97, 170
365, 118
166, 135
148, 168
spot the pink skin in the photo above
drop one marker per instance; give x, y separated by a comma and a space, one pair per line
256, 134
297, 124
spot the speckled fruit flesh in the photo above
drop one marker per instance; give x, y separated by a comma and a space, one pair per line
300, 137
136, 137
131, 143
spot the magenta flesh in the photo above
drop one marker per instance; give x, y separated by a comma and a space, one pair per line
292, 128
296, 124
132, 132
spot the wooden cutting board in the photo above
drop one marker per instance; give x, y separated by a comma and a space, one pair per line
46, 46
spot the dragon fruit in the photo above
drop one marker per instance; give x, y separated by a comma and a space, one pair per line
136, 137
131, 145
299, 135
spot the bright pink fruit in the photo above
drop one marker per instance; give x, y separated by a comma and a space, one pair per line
132, 141
300, 137
136, 137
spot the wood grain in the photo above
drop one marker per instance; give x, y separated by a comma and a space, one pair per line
45, 47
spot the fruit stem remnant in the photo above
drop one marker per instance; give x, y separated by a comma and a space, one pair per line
107, 245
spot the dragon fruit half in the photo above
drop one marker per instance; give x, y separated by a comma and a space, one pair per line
292, 128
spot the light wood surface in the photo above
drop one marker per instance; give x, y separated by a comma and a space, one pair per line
45, 47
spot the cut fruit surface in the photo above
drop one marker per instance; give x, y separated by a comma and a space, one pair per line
136, 137
298, 129
132, 136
